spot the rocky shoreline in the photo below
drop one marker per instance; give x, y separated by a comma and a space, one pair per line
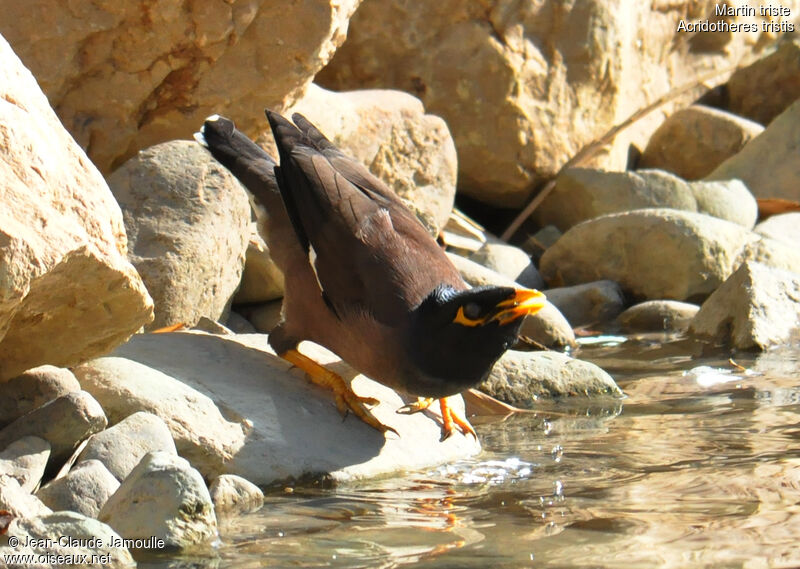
110, 432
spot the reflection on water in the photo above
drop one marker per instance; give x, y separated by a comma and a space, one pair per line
698, 467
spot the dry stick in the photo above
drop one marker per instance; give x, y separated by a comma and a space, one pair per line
596, 145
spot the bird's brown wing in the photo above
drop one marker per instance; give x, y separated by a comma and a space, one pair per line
370, 253
351, 169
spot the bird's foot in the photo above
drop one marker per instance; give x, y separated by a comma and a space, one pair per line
346, 399
450, 419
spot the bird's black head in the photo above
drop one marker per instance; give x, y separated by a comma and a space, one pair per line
456, 336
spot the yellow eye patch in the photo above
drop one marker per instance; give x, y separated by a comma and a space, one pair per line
462, 319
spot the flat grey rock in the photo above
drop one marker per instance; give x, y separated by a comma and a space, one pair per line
163, 497
20, 502
64, 423
233, 494
85, 537
511, 262
658, 315
25, 460
121, 447
233, 407
521, 378
586, 193
32, 389
85, 489
598, 301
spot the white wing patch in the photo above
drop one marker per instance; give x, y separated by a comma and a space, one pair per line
312, 260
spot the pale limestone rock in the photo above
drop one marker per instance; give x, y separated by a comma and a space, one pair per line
63, 422
763, 90
233, 494
20, 502
162, 497
121, 447
201, 431
548, 328
584, 193
125, 76
509, 261
658, 316
693, 141
782, 227
588, 303
770, 163
33, 389
651, 253
475, 274
390, 133
101, 545
726, 199
521, 378
85, 489
68, 294
525, 85
188, 226
234, 407
757, 307
775, 253
262, 280
25, 460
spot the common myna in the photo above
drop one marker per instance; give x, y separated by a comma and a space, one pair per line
363, 276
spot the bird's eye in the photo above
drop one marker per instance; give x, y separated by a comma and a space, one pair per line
472, 310
469, 315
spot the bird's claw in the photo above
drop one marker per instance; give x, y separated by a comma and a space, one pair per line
346, 399
451, 421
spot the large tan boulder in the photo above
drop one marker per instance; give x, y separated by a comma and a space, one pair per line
234, 407
584, 193
695, 140
765, 89
652, 253
188, 221
524, 85
127, 75
67, 292
391, 134
770, 163
757, 307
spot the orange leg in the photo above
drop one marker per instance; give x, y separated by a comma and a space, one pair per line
450, 419
346, 399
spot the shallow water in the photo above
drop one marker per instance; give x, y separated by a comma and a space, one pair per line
698, 467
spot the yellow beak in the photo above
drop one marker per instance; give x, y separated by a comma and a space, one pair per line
525, 301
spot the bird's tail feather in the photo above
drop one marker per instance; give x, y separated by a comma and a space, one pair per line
251, 165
